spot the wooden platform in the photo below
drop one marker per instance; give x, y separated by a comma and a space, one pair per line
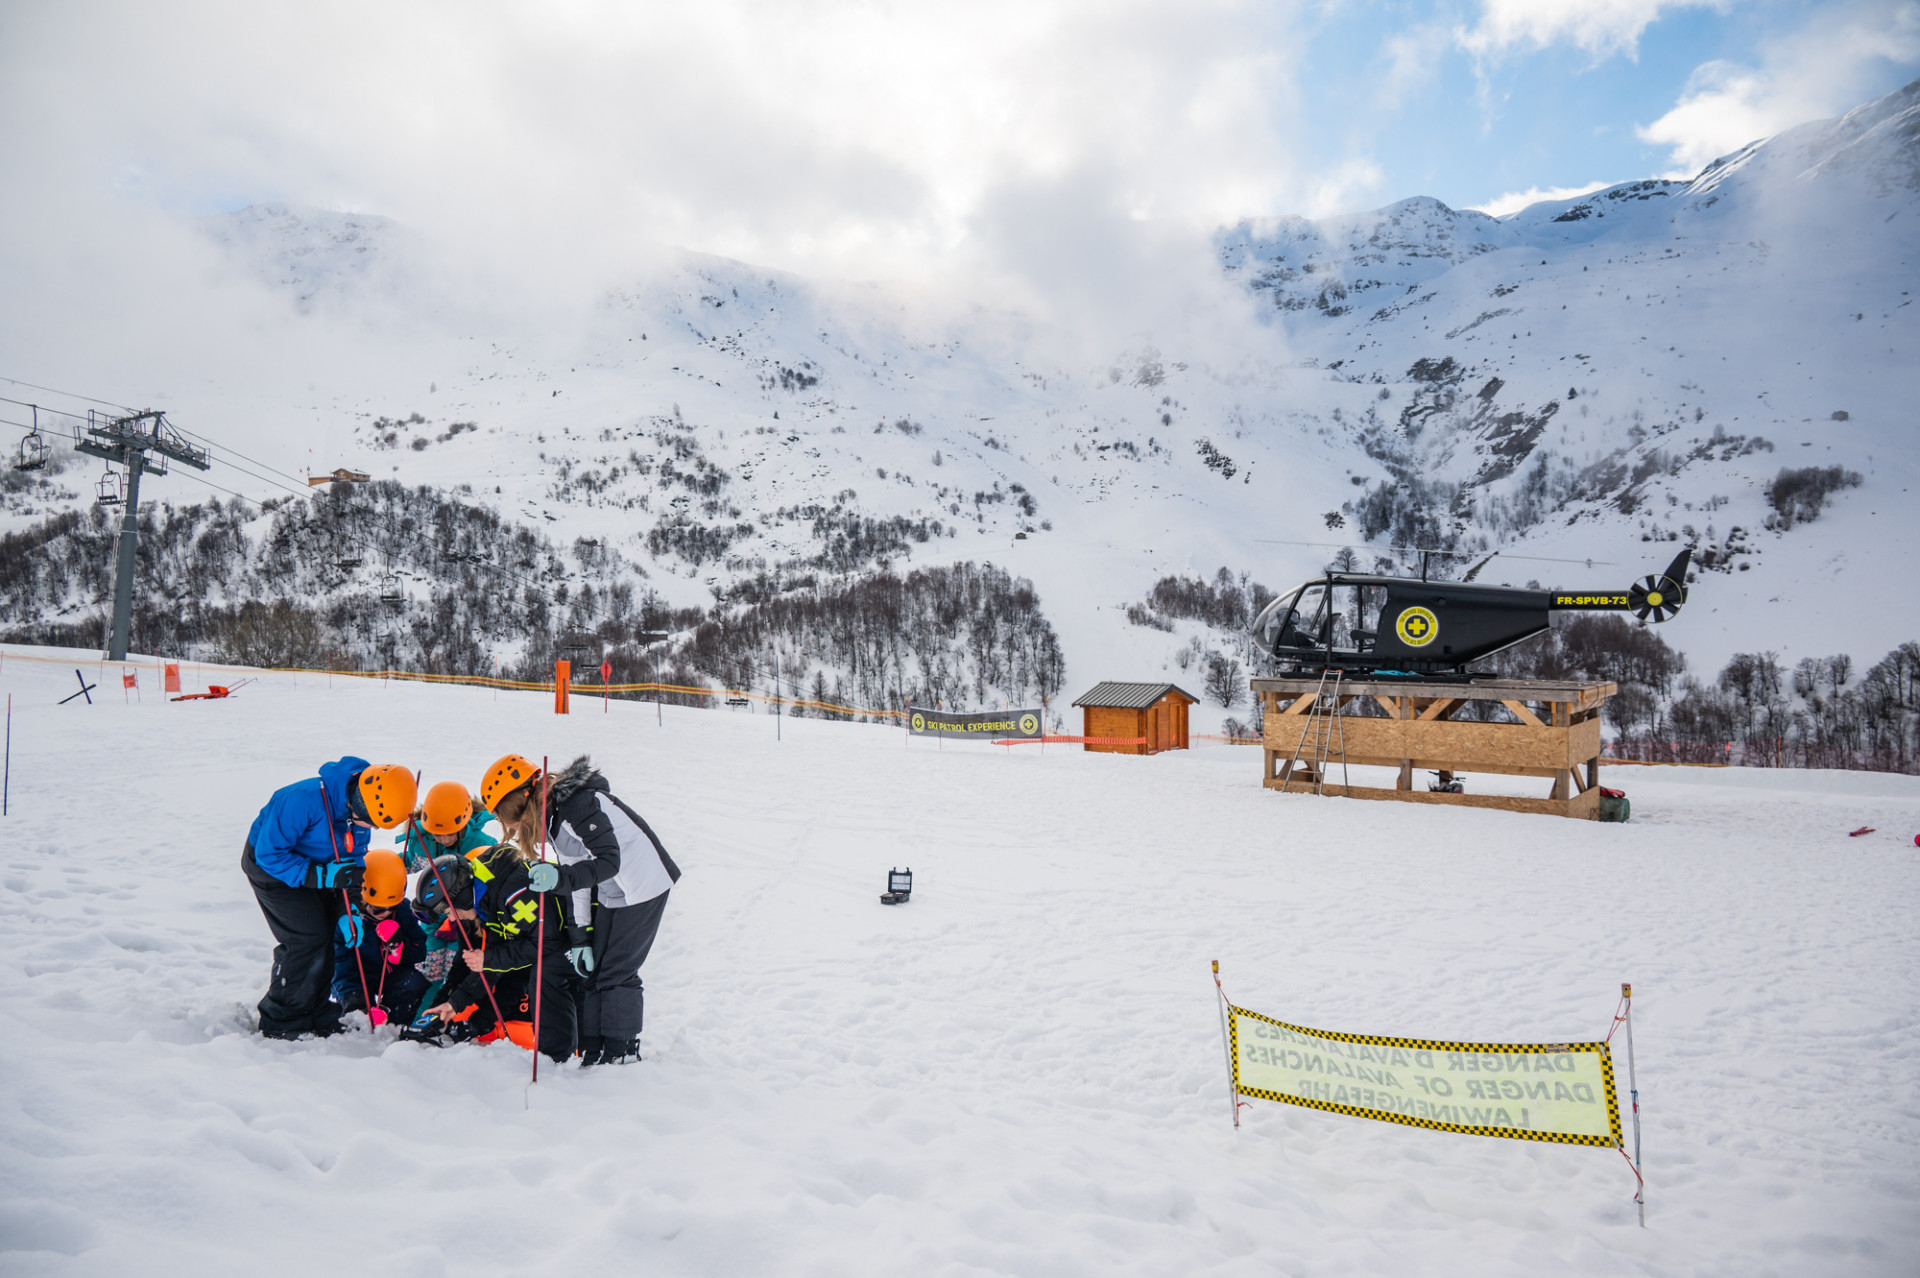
1551, 730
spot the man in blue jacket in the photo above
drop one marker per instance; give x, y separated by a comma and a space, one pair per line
303, 859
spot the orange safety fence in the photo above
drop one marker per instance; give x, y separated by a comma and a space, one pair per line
1014, 741
508, 685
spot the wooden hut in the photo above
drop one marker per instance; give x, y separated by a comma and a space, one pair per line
1150, 717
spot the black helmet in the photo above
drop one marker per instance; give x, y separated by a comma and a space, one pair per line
452, 871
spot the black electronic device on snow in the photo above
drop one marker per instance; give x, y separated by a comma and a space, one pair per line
899, 887
1369, 624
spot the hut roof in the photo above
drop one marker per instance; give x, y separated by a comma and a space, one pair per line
1128, 696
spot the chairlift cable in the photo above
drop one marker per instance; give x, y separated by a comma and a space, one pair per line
1423, 550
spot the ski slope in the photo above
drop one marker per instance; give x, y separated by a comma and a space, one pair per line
1019, 1072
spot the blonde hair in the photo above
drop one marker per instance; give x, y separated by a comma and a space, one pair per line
526, 832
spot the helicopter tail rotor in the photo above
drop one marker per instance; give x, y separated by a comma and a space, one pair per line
1657, 597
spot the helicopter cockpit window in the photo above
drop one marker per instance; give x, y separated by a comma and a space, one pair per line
1306, 626
1363, 614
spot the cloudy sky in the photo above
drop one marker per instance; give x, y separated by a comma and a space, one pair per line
880, 139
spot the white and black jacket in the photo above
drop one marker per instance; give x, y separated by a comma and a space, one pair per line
607, 851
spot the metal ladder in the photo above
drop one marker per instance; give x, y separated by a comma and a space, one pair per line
1316, 736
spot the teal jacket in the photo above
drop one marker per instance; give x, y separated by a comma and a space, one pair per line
420, 847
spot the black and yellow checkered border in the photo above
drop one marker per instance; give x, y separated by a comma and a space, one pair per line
1431, 1045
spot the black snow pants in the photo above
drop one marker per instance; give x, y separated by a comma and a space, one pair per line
613, 1004
302, 921
559, 1005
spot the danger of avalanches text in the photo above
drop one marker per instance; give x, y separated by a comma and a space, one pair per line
1559, 1091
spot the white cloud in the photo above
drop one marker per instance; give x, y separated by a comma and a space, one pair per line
1514, 201
1601, 27
833, 137
1810, 74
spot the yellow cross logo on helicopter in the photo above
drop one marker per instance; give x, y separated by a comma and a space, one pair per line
1417, 627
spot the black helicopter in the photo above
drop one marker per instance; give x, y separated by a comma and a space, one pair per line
1362, 622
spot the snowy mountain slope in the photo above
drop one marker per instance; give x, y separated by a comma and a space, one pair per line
317, 257
1585, 380
1610, 365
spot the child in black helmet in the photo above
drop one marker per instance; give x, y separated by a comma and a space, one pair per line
501, 958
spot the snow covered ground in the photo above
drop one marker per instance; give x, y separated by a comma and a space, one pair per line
1019, 1072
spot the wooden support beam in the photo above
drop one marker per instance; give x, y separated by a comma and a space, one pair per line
1523, 714
1441, 708
1445, 765
1582, 807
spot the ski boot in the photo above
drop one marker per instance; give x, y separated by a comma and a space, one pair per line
619, 1051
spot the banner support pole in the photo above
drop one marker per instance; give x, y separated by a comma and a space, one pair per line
1226, 1046
1633, 1090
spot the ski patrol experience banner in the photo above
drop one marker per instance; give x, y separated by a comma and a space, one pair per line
1561, 1092
992, 723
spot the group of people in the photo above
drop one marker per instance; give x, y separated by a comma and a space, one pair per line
524, 912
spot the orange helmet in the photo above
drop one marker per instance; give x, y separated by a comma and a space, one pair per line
388, 791
383, 881
448, 808
508, 773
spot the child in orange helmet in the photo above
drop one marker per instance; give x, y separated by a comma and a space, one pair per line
448, 821
378, 946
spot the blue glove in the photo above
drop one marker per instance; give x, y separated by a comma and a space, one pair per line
335, 874
351, 933
581, 957
543, 876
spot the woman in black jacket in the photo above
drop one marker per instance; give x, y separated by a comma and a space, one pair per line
618, 875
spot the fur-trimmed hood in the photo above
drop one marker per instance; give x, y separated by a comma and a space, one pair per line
573, 778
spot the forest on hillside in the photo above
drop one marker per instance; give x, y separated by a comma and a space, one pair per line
381, 576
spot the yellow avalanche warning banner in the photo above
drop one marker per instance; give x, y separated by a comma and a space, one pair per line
1526, 1091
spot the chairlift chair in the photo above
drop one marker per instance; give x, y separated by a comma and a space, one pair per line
390, 592
33, 451
111, 490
